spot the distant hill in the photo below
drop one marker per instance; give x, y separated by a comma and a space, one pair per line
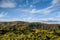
51, 22
17, 24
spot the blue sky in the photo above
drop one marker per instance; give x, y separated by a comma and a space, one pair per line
30, 10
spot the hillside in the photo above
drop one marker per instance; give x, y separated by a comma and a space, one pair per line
18, 24
20, 30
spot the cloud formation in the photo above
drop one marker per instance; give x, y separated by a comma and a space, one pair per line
54, 3
7, 4
27, 7
3, 14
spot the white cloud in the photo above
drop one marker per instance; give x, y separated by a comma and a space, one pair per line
36, 1
57, 15
9, 19
54, 2
3, 14
47, 10
33, 11
7, 4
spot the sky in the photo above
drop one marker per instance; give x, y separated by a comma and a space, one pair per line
47, 11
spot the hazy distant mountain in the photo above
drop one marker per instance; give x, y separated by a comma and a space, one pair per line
40, 21
51, 22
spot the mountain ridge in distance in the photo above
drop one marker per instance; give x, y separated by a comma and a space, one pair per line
41, 21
